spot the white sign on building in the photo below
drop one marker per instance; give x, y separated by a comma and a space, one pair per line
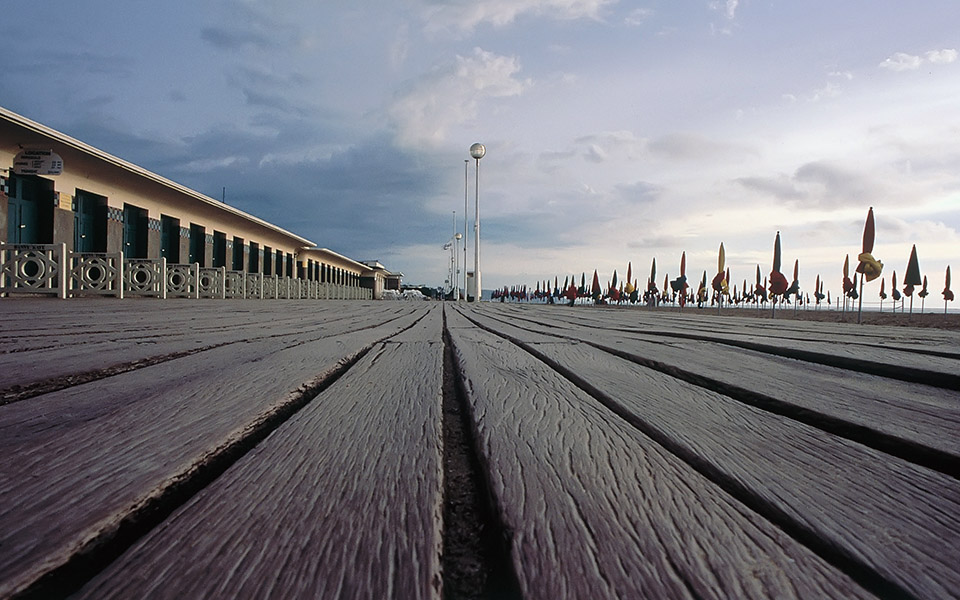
37, 162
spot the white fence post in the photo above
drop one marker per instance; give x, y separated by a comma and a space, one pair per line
64, 271
120, 276
163, 278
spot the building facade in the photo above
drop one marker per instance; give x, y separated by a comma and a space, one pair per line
55, 189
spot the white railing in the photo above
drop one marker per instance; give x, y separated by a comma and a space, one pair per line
97, 274
210, 282
182, 280
234, 284
254, 285
34, 269
52, 269
270, 287
145, 277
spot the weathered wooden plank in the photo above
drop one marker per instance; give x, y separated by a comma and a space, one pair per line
80, 461
914, 366
65, 355
427, 329
24, 319
737, 319
342, 501
594, 508
935, 342
911, 414
844, 495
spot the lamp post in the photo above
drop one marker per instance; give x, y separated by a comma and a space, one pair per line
451, 246
477, 151
466, 218
454, 273
456, 266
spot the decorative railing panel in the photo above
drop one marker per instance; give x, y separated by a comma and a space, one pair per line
210, 282
51, 269
254, 285
34, 268
234, 284
182, 281
93, 273
270, 287
145, 277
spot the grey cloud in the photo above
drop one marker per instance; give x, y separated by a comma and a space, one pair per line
250, 77
655, 242
276, 101
365, 198
270, 89
552, 162
781, 187
686, 146
595, 154
819, 184
836, 186
600, 146
251, 26
543, 229
72, 63
641, 192
227, 39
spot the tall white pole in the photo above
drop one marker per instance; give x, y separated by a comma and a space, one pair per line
476, 241
466, 187
456, 252
477, 151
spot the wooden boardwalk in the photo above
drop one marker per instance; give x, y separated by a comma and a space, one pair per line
307, 450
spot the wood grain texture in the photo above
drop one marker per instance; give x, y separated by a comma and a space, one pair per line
343, 501
596, 509
832, 346
79, 460
845, 494
45, 347
623, 448
929, 417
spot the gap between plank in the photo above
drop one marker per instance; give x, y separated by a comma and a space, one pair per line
94, 555
865, 575
16, 393
946, 381
475, 561
906, 449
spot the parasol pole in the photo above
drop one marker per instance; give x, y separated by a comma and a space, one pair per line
869, 234
683, 283
721, 260
947, 294
796, 277
923, 298
860, 304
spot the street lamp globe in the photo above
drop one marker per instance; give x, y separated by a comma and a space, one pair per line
477, 151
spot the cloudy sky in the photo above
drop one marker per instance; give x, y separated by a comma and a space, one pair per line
616, 131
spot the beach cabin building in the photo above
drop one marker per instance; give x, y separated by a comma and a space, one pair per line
55, 189
378, 278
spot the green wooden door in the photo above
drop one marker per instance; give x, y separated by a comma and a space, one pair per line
197, 244
23, 213
219, 249
134, 231
90, 223
170, 238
